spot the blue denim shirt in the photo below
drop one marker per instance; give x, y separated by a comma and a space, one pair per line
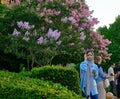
83, 69
101, 74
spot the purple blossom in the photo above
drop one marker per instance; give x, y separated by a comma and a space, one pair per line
72, 20
57, 13
53, 34
40, 40
26, 38
85, 12
107, 42
74, 13
82, 36
19, 24
26, 25
84, 25
23, 25
64, 20
15, 32
94, 21
17, 2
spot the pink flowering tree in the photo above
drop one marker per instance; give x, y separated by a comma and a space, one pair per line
39, 30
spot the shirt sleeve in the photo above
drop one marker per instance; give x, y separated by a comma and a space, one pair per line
102, 73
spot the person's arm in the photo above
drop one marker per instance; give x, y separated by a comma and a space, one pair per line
82, 75
108, 76
102, 73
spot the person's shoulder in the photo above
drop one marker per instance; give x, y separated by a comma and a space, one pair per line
98, 65
83, 65
109, 68
84, 62
95, 65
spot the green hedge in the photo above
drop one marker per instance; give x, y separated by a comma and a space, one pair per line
14, 86
66, 76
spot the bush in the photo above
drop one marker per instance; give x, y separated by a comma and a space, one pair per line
77, 67
66, 76
19, 87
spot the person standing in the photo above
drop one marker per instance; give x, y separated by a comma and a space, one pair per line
88, 74
111, 80
101, 77
117, 81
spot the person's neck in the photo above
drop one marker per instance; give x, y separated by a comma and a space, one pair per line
98, 63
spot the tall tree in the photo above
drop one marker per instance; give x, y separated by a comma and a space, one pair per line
113, 34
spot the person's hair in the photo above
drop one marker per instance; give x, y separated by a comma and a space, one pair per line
113, 64
97, 59
89, 51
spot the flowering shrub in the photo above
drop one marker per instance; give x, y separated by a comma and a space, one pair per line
41, 29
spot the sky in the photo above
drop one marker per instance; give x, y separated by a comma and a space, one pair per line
105, 10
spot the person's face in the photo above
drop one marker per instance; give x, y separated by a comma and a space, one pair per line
89, 56
113, 65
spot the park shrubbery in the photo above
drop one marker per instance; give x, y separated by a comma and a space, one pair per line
17, 86
66, 76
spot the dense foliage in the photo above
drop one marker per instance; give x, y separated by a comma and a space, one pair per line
113, 34
65, 76
20, 87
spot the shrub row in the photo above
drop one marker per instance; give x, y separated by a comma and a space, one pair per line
66, 76
14, 86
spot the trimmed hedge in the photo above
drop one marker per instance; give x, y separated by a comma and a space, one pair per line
66, 76
14, 86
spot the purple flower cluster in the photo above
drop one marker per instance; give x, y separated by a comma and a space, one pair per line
24, 25
53, 34
16, 32
40, 40
82, 36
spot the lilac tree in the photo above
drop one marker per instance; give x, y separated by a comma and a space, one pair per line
60, 27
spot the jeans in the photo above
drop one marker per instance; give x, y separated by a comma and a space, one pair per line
112, 86
93, 97
118, 88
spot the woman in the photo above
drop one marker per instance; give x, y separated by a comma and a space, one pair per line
101, 76
88, 74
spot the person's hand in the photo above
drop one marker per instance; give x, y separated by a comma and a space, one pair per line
94, 72
109, 76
